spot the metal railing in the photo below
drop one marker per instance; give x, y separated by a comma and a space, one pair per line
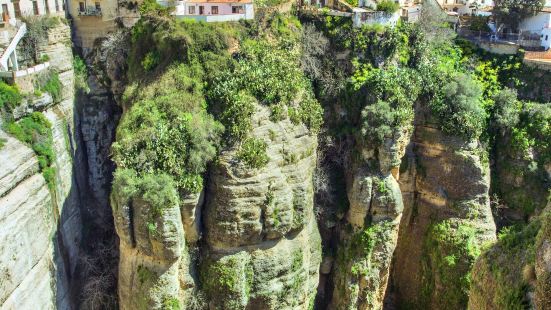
523, 39
90, 12
21, 31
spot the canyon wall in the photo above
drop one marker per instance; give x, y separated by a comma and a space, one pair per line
41, 222
447, 219
262, 247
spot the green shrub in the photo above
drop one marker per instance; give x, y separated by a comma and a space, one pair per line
506, 109
253, 153
44, 58
152, 7
51, 84
2, 142
150, 61
479, 23
271, 75
460, 108
388, 6
353, 3
35, 130
9, 95
452, 248
81, 74
167, 129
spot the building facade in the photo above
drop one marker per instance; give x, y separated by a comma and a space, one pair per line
467, 7
92, 19
14, 9
214, 10
539, 24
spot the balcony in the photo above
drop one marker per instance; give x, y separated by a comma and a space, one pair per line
92, 11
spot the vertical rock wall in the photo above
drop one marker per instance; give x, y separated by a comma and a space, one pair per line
447, 219
41, 228
368, 239
263, 247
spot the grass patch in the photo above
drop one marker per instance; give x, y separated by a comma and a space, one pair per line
253, 153
36, 131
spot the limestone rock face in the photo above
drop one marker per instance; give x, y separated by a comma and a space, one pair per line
364, 254
542, 264
41, 226
27, 254
150, 250
445, 188
261, 221
98, 118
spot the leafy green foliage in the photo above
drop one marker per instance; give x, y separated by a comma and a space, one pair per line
353, 3
460, 109
152, 7
150, 61
53, 86
535, 121
268, 3
507, 109
394, 91
506, 263
9, 95
270, 74
452, 248
167, 130
2, 142
479, 23
253, 153
157, 190
388, 6
81, 74
35, 130
158, 41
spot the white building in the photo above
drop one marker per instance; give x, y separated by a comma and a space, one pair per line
12, 30
214, 10
539, 24
467, 7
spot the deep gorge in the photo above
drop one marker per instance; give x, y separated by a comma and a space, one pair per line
289, 162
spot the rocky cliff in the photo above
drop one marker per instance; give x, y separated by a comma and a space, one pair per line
41, 217
189, 171
447, 220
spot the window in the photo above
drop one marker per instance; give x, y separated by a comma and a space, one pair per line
191, 10
5, 12
35, 8
47, 6
98, 6
214, 10
81, 6
546, 37
17, 9
238, 9
201, 10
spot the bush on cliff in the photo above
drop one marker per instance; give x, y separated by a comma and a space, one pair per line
460, 107
9, 95
35, 130
270, 74
167, 129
